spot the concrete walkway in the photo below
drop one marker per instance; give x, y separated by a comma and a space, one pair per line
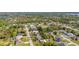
28, 35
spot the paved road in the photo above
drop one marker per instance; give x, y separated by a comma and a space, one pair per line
69, 40
28, 35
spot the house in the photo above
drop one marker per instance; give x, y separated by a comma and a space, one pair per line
43, 40
77, 38
34, 29
19, 36
58, 39
63, 31
70, 35
62, 44
48, 40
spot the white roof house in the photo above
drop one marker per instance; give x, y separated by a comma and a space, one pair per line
34, 29
18, 37
70, 34
77, 38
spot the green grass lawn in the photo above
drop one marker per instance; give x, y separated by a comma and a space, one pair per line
4, 42
63, 40
23, 44
71, 45
25, 39
76, 41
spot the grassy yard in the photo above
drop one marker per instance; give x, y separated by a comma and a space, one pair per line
4, 42
25, 39
76, 41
